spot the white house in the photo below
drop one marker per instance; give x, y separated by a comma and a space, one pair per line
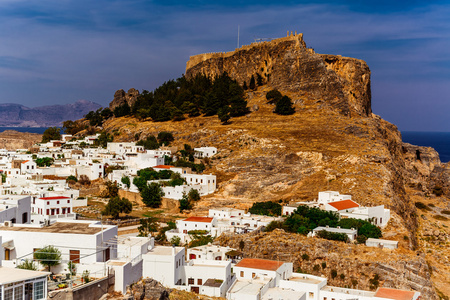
351, 233
225, 213
82, 242
210, 252
165, 264
207, 277
206, 224
203, 152
331, 196
15, 209
28, 167
388, 244
52, 208
341, 206
378, 215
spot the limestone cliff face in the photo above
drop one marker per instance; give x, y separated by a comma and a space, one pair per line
288, 65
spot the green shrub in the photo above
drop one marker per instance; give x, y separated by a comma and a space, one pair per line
266, 208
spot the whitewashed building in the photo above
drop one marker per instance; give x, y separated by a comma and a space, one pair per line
203, 152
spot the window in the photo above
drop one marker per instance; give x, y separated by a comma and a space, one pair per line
48, 211
18, 292
253, 275
199, 281
311, 295
48, 202
57, 202
190, 280
242, 273
38, 290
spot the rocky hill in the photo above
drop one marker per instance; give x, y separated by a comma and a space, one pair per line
16, 115
332, 142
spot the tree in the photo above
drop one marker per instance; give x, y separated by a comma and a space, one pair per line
267, 208
112, 190
175, 240
193, 195
152, 194
176, 179
199, 239
165, 138
28, 264
224, 114
71, 179
273, 96
117, 205
126, 181
44, 161
104, 138
148, 226
185, 204
51, 133
252, 84
48, 256
259, 79
122, 110
284, 106
149, 143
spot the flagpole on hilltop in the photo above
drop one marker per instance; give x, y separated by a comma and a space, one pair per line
238, 36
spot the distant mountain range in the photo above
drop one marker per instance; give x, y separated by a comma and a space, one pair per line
16, 115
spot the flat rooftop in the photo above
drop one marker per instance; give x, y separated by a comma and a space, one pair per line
262, 264
9, 275
213, 282
58, 227
163, 250
279, 293
249, 287
305, 279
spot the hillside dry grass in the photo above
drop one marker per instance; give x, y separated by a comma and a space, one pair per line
267, 157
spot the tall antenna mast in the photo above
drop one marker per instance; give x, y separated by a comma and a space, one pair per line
238, 36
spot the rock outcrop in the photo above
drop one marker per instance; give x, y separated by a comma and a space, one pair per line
148, 289
120, 98
288, 65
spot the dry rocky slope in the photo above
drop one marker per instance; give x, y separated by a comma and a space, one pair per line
332, 142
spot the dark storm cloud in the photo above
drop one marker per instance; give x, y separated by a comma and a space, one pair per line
61, 51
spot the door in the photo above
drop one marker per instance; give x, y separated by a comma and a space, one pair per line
195, 289
75, 256
106, 254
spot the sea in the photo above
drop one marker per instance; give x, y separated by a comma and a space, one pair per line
39, 130
440, 141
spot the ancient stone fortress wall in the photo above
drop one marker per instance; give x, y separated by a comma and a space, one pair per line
291, 36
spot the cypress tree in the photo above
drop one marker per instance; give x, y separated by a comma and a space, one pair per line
252, 85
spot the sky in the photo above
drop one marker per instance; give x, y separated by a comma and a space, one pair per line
60, 51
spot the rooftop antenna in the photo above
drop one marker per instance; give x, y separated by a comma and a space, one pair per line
238, 36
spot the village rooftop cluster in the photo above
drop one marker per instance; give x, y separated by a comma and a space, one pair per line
36, 213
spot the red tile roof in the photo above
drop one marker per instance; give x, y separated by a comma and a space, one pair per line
394, 294
163, 167
199, 219
54, 198
263, 264
344, 204
25, 161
